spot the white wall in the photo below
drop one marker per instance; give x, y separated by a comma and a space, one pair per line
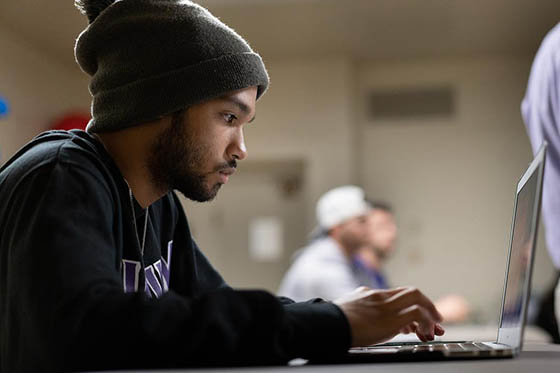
39, 91
451, 181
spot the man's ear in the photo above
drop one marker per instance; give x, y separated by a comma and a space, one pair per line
334, 231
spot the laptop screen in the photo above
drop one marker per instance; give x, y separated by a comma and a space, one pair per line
520, 259
521, 252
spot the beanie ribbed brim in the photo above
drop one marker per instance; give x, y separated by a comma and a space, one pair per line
129, 104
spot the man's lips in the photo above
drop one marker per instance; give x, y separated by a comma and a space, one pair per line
227, 171
225, 174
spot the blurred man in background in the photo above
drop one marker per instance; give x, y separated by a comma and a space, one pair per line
382, 237
541, 112
324, 268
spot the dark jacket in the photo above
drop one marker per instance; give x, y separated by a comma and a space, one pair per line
76, 293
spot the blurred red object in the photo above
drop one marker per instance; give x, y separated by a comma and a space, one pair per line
71, 121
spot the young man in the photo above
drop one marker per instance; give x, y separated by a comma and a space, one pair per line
324, 268
98, 269
370, 258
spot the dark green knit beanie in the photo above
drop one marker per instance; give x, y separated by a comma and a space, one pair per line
150, 58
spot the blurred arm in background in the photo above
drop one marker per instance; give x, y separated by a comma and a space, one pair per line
541, 112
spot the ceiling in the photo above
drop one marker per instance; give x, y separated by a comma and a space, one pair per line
357, 29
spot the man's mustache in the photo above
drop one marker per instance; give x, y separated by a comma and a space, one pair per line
228, 165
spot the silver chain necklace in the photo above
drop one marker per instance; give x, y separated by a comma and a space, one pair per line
132, 207
134, 220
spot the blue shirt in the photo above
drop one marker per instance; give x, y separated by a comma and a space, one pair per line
541, 113
369, 276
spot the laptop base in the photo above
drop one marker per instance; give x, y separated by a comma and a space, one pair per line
431, 351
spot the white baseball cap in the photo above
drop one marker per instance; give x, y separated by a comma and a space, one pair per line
340, 204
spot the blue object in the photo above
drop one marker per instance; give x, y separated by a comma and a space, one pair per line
4, 108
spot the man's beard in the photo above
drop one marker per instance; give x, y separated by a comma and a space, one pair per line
381, 254
174, 159
351, 242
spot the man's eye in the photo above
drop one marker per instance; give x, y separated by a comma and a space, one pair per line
230, 118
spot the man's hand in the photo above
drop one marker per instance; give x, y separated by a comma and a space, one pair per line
378, 315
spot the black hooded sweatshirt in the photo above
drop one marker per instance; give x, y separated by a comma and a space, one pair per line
76, 293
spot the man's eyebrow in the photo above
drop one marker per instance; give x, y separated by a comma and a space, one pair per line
240, 104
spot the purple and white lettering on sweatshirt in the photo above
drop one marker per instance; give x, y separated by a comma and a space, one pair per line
541, 113
156, 275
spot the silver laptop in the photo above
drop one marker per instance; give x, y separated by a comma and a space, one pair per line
516, 293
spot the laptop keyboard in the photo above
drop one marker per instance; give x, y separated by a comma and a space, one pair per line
451, 347
420, 348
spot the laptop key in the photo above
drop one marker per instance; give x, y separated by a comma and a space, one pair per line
423, 348
473, 346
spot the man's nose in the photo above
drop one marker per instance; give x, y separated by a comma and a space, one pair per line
238, 148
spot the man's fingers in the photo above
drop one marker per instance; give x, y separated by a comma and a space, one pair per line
407, 329
424, 327
438, 329
389, 311
410, 297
